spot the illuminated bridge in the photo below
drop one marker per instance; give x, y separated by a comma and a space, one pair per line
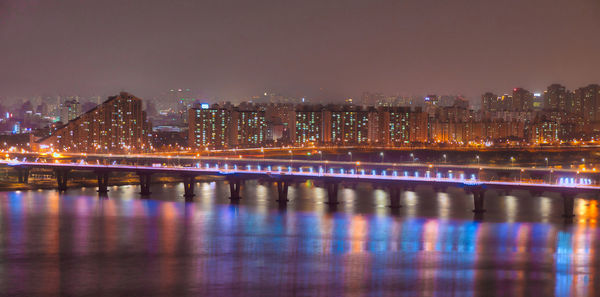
474, 180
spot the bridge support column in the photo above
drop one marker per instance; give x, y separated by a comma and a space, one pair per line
234, 189
332, 192
478, 199
395, 193
102, 181
62, 176
568, 205
23, 175
282, 190
188, 185
145, 180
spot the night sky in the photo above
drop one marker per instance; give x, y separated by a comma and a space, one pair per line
232, 49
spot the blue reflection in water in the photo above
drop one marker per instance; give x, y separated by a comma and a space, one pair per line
149, 247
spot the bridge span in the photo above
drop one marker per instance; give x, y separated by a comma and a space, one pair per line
283, 175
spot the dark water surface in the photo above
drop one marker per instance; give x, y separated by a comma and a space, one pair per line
78, 244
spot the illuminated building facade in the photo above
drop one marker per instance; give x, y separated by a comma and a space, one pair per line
209, 127
117, 125
309, 125
250, 127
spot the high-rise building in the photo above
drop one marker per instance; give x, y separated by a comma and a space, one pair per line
489, 102
345, 125
555, 97
309, 125
69, 110
117, 125
209, 127
522, 100
586, 103
250, 127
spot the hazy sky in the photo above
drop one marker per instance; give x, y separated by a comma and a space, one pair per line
239, 48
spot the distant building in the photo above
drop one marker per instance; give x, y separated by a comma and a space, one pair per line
69, 110
555, 97
117, 125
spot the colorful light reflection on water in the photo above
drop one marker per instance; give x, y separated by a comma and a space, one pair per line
83, 245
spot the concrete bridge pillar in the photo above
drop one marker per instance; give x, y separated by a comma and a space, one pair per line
189, 181
62, 176
102, 181
282, 191
145, 180
22, 174
234, 188
568, 204
395, 194
332, 192
478, 198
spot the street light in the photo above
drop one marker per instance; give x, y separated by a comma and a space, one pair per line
381, 154
350, 154
546, 159
512, 161
445, 158
477, 157
321, 153
412, 156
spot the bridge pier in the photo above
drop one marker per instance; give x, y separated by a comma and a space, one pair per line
332, 192
282, 191
568, 205
145, 180
102, 181
234, 189
478, 198
395, 193
62, 176
22, 174
188, 185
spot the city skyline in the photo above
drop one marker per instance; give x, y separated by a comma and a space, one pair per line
323, 50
